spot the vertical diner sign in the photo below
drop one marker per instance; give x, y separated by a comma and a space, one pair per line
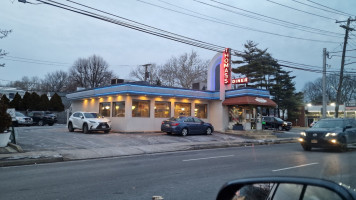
226, 62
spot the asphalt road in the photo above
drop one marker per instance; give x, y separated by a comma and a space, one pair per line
181, 175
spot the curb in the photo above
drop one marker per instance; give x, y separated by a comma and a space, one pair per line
39, 159
29, 161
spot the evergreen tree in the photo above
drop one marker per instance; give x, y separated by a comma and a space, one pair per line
257, 65
264, 72
44, 102
16, 102
56, 103
26, 101
35, 103
5, 100
5, 121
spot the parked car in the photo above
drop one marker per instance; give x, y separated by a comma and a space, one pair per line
88, 121
276, 123
22, 119
186, 125
329, 133
42, 118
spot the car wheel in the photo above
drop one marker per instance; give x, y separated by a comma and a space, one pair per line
169, 133
208, 131
40, 123
306, 147
70, 127
106, 131
85, 128
184, 132
343, 145
280, 128
50, 124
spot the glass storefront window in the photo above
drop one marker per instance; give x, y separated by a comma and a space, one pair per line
162, 109
182, 109
118, 109
140, 108
201, 111
104, 109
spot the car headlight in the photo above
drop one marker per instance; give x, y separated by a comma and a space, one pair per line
285, 123
92, 122
330, 134
303, 133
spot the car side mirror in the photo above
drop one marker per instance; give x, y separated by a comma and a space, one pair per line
82, 117
284, 188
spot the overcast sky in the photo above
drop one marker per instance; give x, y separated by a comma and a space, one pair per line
46, 33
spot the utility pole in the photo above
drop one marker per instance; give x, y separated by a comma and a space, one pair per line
324, 83
338, 94
146, 71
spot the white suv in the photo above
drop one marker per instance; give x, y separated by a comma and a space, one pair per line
88, 121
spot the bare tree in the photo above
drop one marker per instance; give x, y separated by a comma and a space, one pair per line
180, 71
313, 90
3, 34
55, 82
153, 72
27, 84
91, 72
189, 68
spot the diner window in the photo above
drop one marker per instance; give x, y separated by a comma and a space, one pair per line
104, 109
118, 109
162, 109
182, 109
201, 111
140, 108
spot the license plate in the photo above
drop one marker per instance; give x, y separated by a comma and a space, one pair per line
167, 125
314, 141
103, 126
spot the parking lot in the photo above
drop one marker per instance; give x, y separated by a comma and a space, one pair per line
57, 138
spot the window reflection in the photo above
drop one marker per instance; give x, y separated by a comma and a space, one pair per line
140, 108
201, 111
162, 109
104, 109
118, 109
182, 109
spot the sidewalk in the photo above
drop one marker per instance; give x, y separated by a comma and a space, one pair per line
10, 157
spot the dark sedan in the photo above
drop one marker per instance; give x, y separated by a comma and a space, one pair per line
186, 125
329, 133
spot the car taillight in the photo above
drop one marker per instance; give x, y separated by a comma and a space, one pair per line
163, 122
175, 124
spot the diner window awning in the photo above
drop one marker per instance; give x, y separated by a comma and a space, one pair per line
250, 100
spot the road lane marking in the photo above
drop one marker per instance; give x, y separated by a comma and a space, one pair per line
207, 158
294, 167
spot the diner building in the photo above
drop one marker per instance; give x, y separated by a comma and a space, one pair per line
137, 106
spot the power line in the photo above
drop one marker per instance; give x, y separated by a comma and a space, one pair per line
143, 25
156, 33
44, 61
238, 26
338, 13
272, 20
300, 10
341, 51
330, 8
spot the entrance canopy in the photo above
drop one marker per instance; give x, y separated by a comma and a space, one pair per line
250, 100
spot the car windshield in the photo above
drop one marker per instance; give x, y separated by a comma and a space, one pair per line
18, 114
329, 124
92, 115
279, 119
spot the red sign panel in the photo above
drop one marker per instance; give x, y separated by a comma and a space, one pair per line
239, 80
226, 63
